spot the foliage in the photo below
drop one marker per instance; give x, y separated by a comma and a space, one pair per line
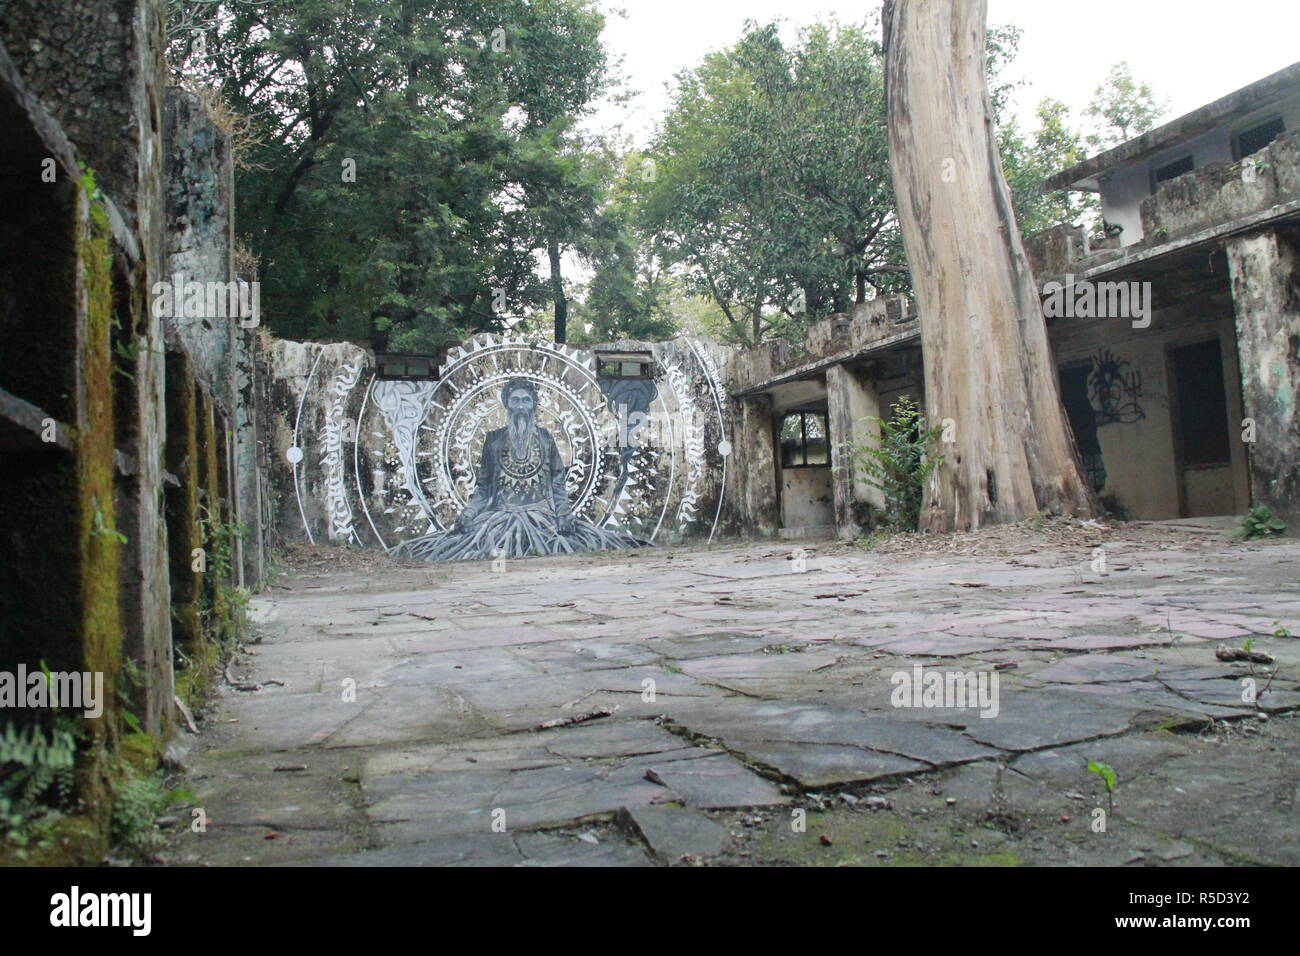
1028, 160
230, 600
36, 778
137, 802
897, 464
772, 190
1122, 108
1258, 522
451, 116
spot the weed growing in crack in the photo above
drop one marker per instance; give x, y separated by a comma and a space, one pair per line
1109, 777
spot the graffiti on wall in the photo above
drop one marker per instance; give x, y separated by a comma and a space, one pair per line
1114, 388
516, 447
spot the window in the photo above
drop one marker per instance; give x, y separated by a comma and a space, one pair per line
1170, 171
392, 365
625, 365
803, 440
1256, 138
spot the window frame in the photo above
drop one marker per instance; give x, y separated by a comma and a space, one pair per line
384, 364
803, 414
645, 360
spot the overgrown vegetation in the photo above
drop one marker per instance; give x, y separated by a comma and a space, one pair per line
37, 764
221, 604
1258, 522
898, 464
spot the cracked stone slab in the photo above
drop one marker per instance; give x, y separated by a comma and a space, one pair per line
1228, 693
1095, 669
714, 782
1103, 642
480, 849
1130, 756
674, 832
821, 765
1030, 720
750, 723
555, 849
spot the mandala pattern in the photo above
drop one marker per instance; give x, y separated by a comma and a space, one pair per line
644, 460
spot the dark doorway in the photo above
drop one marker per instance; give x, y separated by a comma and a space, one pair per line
1199, 407
1202, 426
1083, 421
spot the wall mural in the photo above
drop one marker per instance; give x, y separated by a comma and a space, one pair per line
516, 448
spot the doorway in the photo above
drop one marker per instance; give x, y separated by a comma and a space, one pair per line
1198, 407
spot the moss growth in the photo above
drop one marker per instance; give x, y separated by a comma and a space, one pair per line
100, 553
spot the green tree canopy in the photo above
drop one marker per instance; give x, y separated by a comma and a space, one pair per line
410, 162
1122, 108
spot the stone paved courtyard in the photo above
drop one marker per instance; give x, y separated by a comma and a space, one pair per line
700, 704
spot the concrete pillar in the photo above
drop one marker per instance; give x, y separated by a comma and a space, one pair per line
755, 464
851, 400
1265, 272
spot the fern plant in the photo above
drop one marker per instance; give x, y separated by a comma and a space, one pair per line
36, 775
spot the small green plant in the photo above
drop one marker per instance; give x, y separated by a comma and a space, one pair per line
1109, 777
1259, 522
897, 464
103, 531
139, 800
36, 779
1280, 629
219, 540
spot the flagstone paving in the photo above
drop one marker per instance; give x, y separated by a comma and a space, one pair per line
731, 705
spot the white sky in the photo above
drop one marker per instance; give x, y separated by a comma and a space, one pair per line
1191, 51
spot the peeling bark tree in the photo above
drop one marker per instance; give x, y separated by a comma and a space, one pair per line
988, 365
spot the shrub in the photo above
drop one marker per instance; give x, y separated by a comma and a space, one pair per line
898, 464
1259, 522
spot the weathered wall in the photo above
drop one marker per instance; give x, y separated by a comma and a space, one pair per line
1265, 270
1221, 192
200, 248
807, 498
853, 406
376, 463
98, 70
1129, 390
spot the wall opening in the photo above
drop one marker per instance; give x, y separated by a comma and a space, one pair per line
1202, 452
1083, 421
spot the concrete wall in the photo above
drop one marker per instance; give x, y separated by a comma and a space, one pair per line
1129, 386
98, 70
1124, 188
807, 500
200, 248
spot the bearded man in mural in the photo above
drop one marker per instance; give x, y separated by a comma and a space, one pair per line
519, 506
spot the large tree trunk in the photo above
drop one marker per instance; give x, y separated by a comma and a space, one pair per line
988, 364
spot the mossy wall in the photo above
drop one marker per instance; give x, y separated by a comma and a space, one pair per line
183, 533
100, 546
